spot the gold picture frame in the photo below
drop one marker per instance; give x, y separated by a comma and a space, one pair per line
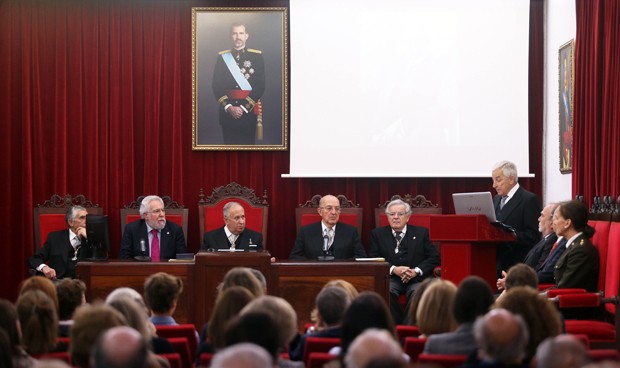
228, 112
566, 77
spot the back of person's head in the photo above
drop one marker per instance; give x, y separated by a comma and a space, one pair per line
6, 350
89, 322
373, 344
436, 310
242, 276
227, 306
350, 289
473, 299
261, 278
577, 212
540, 315
38, 320
282, 313
331, 303
255, 327
40, 283
9, 323
120, 347
122, 292
562, 351
243, 355
70, 297
368, 310
501, 337
161, 291
134, 314
415, 299
521, 275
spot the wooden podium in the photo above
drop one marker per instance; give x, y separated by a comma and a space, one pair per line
467, 245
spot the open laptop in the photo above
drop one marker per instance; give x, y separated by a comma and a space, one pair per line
477, 203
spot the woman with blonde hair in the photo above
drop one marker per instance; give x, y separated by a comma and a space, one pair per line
435, 313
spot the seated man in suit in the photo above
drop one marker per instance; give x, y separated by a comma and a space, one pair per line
63, 248
343, 240
233, 234
408, 250
518, 208
152, 235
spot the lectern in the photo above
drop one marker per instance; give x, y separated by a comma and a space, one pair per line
467, 246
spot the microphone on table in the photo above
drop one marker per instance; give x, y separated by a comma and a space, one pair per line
143, 257
326, 256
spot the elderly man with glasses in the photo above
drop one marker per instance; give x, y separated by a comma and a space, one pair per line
328, 239
408, 250
152, 236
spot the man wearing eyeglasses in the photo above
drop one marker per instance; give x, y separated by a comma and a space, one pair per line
152, 235
343, 241
408, 250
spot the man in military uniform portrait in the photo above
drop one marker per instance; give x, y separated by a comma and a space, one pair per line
238, 85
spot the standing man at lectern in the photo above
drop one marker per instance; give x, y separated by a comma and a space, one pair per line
408, 250
152, 236
328, 237
518, 208
234, 234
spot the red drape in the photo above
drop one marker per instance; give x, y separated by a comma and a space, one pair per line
95, 99
596, 121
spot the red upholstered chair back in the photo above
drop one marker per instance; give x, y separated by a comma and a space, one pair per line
181, 346
442, 360
187, 331
210, 209
175, 212
50, 216
174, 359
612, 270
59, 355
421, 209
205, 359
404, 331
601, 241
414, 346
318, 360
350, 213
319, 345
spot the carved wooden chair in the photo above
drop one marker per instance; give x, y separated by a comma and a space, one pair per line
256, 209
350, 213
175, 212
419, 206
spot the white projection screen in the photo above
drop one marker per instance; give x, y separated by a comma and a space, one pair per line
408, 88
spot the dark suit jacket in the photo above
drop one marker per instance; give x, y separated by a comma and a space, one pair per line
521, 212
578, 267
55, 252
296, 348
172, 240
309, 243
540, 251
217, 239
461, 341
546, 270
421, 252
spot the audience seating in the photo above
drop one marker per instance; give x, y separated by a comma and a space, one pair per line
184, 330
318, 360
181, 346
442, 360
319, 345
60, 355
599, 355
350, 213
404, 331
256, 209
414, 346
419, 206
205, 359
175, 212
174, 359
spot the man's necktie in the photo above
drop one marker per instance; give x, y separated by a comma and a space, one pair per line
233, 239
502, 202
155, 246
330, 235
399, 237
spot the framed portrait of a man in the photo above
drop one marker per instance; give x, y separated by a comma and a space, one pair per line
566, 76
239, 78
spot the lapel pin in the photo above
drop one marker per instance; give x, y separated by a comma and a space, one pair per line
414, 237
167, 232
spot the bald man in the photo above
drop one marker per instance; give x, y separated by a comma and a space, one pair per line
501, 338
343, 240
120, 347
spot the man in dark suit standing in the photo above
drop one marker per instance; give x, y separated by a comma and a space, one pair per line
152, 235
234, 234
408, 250
62, 249
518, 208
343, 241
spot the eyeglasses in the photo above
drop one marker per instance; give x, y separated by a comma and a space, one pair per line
396, 214
330, 209
158, 211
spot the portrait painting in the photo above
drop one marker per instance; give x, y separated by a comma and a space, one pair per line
566, 78
240, 78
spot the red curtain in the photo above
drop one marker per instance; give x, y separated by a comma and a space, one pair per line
596, 119
95, 99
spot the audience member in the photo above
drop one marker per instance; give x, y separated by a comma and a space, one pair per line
42, 284
71, 295
314, 315
244, 277
540, 315
161, 291
257, 328
130, 293
63, 248
408, 250
39, 322
343, 241
331, 303
501, 338
519, 275
436, 310
415, 299
160, 239
261, 278
233, 234
373, 344
120, 347
9, 323
562, 351
473, 299
6, 350
243, 355
518, 208
89, 323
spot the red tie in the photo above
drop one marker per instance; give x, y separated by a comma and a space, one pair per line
155, 246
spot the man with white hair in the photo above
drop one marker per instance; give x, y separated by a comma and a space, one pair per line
373, 344
120, 347
152, 235
243, 355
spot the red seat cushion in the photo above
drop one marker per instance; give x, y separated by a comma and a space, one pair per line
50, 222
596, 331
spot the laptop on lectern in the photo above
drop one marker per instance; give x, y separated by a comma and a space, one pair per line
477, 203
